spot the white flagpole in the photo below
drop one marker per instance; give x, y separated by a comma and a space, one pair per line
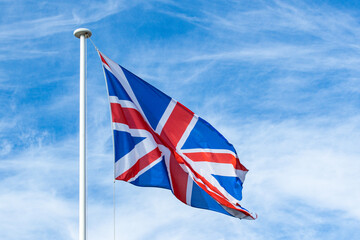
82, 33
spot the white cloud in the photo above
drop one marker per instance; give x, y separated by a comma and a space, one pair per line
313, 161
5, 147
22, 36
61, 20
303, 165
33, 184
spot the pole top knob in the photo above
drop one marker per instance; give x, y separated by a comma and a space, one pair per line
82, 31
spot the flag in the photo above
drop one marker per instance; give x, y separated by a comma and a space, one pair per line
159, 142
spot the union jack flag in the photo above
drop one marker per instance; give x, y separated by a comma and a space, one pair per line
159, 142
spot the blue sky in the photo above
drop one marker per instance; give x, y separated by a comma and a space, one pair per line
279, 79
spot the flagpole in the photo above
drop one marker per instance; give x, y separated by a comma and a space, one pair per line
82, 33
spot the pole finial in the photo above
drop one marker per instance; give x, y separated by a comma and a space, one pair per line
82, 31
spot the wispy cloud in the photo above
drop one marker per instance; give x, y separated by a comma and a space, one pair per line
279, 80
33, 183
300, 56
59, 20
23, 37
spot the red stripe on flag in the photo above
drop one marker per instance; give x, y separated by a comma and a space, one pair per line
179, 178
103, 60
140, 165
128, 116
240, 166
132, 118
226, 158
223, 201
176, 125
214, 192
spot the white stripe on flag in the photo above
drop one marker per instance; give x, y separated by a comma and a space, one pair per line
141, 149
133, 132
222, 169
120, 76
165, 116
166, 153
205, 150
123, 103
189, 188
145, 169
207, 169
127, 161
186, 133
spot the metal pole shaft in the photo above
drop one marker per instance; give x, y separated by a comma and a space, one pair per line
82, 33
82, 149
